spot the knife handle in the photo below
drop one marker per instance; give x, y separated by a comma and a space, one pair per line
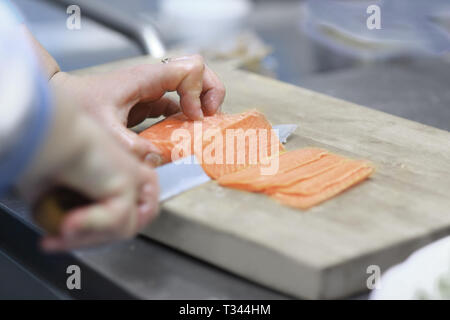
51, 208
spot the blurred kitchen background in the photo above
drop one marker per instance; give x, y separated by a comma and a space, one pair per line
323, 45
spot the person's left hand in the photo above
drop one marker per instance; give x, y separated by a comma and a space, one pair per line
126, 97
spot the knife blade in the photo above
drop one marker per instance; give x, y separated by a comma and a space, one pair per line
179, 176
284, 131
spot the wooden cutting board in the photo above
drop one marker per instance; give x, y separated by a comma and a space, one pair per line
323, 252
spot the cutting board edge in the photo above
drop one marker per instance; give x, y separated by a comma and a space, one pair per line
189, 237
296, 278
336, 278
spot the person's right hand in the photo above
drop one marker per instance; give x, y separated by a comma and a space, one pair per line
79, 154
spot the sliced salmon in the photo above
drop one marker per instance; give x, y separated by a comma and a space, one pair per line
302, 179
328, 178
248, 141
306, 177
227, 143
293, 166
307, 201
302, 173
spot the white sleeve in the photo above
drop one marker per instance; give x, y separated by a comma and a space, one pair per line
16, 88
24, 99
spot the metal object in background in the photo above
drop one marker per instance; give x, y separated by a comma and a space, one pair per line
202, 22
144, 34
408, 27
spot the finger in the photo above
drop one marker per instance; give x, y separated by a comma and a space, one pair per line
91, 226
213, 92
117, 216
212, 96
185, 75
139, 146
148, 205
191, 87
103, 226
154, 160
148, 197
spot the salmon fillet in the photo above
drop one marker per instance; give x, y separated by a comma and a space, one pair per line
223, 143
293, 166
307, 201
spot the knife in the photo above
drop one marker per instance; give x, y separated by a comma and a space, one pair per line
174, 178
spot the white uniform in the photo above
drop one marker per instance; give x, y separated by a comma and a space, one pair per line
24, 98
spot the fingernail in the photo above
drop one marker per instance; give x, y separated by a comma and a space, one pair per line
147, 207
199, 114
154, 159
148, 188
181, 58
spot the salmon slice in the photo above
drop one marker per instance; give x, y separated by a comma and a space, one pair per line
328, 162
320, 182
293, 166
308, 201
249, 141
223, 143
162, 133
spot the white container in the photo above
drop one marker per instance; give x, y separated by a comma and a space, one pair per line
201, 21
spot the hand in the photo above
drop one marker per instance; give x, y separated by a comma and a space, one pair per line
80, 155
126, 97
